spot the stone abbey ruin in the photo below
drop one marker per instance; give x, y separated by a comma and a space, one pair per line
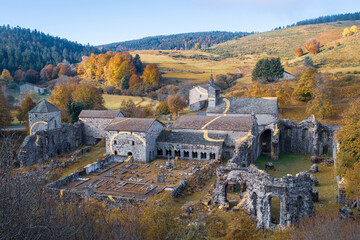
238, 129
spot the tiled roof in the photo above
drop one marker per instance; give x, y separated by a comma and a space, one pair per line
131, 124
247, 106
31, 84
100, 114
44, 107
224, 123
189, 138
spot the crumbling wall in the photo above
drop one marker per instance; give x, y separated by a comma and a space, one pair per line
45, 144
307, 137
95, 128
258, 188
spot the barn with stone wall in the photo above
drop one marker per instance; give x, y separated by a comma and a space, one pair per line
95, 122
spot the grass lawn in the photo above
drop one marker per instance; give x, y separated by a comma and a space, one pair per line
113, 102
97, 152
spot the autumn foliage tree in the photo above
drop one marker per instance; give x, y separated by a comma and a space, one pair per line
72, 91
352, 183
176, 104
5, 116
312, 45
348, 138
151, 75
304, 90
299, 52
134, 80
162, 108
23, 112
6, 75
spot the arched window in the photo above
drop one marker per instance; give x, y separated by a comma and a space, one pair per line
305, 133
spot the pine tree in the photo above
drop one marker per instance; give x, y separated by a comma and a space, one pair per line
267, 70
125, 83
138, 64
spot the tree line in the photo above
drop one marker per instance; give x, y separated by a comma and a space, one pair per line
329, 18
176, 41
26, 49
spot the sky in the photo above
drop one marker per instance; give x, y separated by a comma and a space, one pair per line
106, 21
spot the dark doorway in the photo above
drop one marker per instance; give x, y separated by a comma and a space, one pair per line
275, 210
129, 153
265, 141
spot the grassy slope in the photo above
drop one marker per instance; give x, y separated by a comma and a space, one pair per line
113, 102
283, 43
241, 55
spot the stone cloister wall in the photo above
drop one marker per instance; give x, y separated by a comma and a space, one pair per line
307, 137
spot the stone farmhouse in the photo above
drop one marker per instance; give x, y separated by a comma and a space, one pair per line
27, 87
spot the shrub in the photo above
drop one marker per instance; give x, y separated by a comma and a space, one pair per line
299, 52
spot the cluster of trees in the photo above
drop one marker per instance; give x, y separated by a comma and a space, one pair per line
226, 81
311, 88
311, 45
330, 18
72, 97
349, 32
267, 70
26, 49
173, 105
176, 41
119, 71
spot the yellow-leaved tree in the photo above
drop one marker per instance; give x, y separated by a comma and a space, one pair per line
151, 75
346, 32
354, 30
6, 75
352, 183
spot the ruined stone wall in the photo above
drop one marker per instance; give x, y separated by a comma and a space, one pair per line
258, 188
95, 128
45, 144
245, 153
307, 137
212, 151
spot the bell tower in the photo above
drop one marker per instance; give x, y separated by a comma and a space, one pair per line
214, 94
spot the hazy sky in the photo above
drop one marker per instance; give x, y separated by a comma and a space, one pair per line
106, 21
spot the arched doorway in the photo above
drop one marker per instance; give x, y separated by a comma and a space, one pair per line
265, 142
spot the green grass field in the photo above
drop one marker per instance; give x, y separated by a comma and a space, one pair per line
295, 163
113, 102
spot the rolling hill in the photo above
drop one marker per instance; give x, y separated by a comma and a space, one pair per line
33, 49
175, 41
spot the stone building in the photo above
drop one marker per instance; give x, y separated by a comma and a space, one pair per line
28, 87
44, 116
95, 122
266, 109
134, 137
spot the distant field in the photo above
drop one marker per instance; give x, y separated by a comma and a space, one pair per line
113, 102
177, 66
